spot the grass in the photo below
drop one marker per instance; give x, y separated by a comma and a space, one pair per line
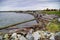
54, 26
53, 12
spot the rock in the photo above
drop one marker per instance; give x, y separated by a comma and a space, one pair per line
59, 19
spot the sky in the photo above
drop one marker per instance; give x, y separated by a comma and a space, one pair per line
6, 5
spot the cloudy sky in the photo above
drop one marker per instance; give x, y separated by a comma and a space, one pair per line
28, 4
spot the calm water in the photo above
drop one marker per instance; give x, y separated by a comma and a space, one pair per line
8, 18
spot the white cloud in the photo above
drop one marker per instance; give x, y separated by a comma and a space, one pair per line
27, 5
43, 0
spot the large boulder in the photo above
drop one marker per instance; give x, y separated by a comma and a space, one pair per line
57, 36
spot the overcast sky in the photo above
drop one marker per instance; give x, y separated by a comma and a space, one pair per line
28, 4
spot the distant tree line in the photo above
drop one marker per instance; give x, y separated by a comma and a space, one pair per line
47, 9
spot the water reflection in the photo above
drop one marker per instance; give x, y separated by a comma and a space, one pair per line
8, 18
